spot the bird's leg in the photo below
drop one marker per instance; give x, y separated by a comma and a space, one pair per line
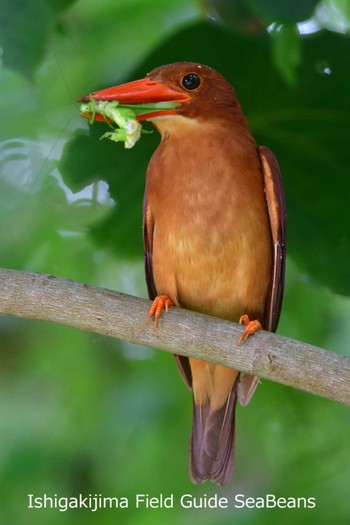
158, 305
250, 328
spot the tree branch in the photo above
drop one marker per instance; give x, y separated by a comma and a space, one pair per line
286, 361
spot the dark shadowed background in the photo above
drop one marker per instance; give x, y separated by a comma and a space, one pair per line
80, 413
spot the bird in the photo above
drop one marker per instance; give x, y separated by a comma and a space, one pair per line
214, 236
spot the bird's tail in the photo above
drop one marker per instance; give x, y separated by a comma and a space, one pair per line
212, 441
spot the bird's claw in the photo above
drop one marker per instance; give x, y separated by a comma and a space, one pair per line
158, 305
250, 328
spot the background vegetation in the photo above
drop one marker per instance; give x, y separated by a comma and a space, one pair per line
86, 414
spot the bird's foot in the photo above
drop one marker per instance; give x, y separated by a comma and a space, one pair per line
158, 305
250, 328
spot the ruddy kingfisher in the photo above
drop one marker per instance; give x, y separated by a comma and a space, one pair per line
214, 235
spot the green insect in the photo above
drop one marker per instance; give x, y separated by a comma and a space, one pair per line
124, 116
128, 130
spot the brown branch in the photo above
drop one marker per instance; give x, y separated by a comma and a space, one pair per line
286, 361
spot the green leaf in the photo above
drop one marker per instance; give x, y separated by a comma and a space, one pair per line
283, 10
25, 27
334, 15
286, 51
233, 15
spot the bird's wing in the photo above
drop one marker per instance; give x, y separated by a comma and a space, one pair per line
148, 229
277, 215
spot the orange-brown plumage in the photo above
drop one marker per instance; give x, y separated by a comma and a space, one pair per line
214, 238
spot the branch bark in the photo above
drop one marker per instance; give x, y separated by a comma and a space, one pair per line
270, 356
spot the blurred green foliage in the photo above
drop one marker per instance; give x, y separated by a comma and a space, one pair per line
87, 414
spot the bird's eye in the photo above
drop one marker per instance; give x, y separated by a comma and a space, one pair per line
191, 81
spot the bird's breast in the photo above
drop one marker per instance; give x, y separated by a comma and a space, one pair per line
211, 238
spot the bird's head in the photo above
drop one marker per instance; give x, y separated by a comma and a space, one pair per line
199, 91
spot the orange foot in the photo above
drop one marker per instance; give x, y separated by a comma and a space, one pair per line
158, 305
250, 328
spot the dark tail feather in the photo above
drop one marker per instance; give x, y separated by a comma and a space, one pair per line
213, 441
